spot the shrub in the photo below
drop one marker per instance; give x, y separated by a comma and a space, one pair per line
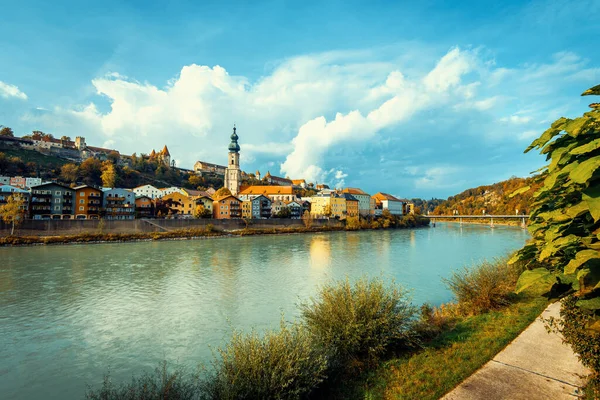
279, 365
359, 322
352, 223
484, 287
161, 384
585, 342
433, 321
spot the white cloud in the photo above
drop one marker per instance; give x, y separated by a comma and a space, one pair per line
516, 119
307, 108
7, 91
529, 135
317, 136
440, 177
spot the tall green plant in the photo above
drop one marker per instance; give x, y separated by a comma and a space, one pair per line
565, 215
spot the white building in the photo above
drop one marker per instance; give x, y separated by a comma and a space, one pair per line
4, 180
171, 190
384, 201
366, 204
148, 190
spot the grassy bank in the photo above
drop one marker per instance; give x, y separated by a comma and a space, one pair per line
360, 340
457, 353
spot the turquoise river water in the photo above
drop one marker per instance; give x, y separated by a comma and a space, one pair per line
68, 313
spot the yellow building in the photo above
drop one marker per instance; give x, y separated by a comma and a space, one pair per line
179, 204
247, 209
328, 205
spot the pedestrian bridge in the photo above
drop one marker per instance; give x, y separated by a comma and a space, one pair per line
491, 218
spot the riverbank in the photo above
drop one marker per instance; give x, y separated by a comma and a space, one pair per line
209, 231
510, 222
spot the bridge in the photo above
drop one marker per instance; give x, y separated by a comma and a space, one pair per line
460, 218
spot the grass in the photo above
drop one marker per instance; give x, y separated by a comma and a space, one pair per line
453, 356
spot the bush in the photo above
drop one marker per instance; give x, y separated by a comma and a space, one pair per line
161, 384
353, 224
584, 342
279, 365
359, 322
433, 321
484, 287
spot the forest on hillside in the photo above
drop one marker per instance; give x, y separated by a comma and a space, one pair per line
497, 199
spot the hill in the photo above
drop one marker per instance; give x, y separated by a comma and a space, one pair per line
495, 199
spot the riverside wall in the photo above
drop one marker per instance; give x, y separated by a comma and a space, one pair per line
75, 227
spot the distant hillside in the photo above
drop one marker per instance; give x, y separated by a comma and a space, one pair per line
494, 199
22, 162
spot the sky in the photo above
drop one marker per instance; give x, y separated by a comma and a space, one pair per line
417, 99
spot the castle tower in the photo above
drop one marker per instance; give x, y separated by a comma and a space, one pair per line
80, 143
166, 156
233, 174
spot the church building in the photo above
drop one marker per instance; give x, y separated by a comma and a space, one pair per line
233, 174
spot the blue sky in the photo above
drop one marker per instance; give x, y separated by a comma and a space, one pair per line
418, 99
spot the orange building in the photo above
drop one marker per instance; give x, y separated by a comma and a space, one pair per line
144, 207
352, 209
227, 207
275, 193
88, 202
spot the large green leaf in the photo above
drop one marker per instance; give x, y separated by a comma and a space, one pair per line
595, 90
578, 209
590, 304
519, 191
576, 126
591, 196
585, 170
589, 278
548, 134
536, 277
586, 148
580, 259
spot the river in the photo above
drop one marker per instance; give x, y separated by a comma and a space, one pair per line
67, 313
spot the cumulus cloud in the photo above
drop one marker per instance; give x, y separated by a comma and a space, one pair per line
306, 113
7, 91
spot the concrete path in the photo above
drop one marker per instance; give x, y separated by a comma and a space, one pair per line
536, 365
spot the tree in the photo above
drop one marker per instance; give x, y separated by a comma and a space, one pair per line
114, 157
284, 212
69, 173
90, 172
327, 211
194, 180
109, 174
202, 212
565, 216
222, 192
307, 219
6, 131
13, 212
66, 138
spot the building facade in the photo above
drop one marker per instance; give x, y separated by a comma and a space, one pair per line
366, 204
52, 201
144, 207
148, 190
88, 202
384, 201
352, 205
118, 204
275, 193
233, 174
7, 191
227, 207
257, 207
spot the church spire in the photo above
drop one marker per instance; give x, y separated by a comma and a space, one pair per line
234, 147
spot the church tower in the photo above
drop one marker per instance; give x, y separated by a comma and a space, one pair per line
233, 174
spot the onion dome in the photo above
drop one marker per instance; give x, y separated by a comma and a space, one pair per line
234, 147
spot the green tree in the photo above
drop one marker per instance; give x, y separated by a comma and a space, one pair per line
66, 138
202, 212
285, 212
222, 192
90, 172
194, 181
565, 217
6, 131
109, 174
69, 173
13, 212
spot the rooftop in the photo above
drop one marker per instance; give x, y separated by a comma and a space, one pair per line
267, 190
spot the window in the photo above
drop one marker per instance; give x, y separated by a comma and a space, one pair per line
56, 208
57, 200
81, 201
81, 194
80, 208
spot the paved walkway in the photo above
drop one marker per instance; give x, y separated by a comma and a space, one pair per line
536, 365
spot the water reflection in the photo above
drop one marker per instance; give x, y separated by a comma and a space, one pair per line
320, 252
